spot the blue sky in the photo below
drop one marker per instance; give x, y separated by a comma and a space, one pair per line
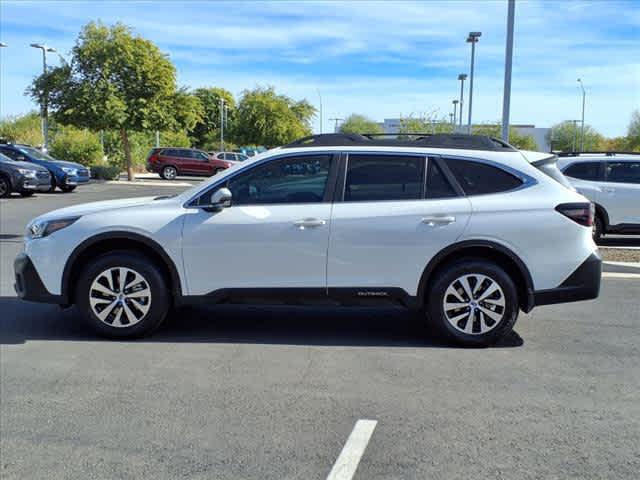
381, 59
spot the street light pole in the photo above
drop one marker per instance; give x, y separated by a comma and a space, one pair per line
455, 110
508, 61
336, 120
462, 77
582, 127
472, 39
221, 124
44, 107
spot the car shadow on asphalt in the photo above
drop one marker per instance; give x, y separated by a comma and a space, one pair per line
21, 322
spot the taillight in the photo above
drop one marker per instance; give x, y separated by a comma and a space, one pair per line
582, 213
153, 158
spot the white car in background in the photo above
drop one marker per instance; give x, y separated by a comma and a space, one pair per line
466, 229
612, 182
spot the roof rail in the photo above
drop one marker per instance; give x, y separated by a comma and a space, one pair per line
608, 154
439, 140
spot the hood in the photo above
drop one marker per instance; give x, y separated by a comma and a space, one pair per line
95, 207
59, 163
26, 165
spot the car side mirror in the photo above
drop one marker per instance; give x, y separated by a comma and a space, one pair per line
21, 158
220, 200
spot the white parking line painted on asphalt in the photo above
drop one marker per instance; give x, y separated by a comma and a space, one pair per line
349, 458
635, 276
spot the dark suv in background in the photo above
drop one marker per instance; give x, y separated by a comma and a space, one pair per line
64, 175
22, 177
170, 162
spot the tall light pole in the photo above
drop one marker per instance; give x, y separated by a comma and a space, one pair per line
2, 45
455, 110
472, 39
45, 100
575, 134
508, 60
462, 77
221, 124
320, 97
582, 127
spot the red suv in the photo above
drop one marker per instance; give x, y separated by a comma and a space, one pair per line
170, 162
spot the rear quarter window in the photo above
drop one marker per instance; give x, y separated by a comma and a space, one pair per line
585, 171
478, 178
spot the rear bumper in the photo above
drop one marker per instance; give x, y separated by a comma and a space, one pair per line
28, 284
582, 284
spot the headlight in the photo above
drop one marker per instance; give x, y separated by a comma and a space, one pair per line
70, 171
27, 173
47, 227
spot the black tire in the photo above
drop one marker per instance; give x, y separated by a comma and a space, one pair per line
5, 187
158, 305
218, 170
52, 188
436, 296
27, 194
169, 172
68, 189
598, 228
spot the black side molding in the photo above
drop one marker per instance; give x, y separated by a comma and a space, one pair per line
582, 284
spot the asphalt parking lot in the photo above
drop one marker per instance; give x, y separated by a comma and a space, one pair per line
275, 392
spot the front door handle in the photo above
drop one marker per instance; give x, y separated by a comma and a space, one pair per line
437, 220
309, 223
608, 190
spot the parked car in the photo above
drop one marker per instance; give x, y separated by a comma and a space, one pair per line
64, 175
169, 162
466, 229
233, 157
22, 177
612, 182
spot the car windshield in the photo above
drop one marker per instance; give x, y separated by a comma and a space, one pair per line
32, 152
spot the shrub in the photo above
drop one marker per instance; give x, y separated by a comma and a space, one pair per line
105, 172
75, 145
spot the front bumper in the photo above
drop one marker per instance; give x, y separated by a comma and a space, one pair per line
28, 284
73, 181
582, 284
39, 184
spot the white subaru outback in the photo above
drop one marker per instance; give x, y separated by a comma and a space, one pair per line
465, 228
612, 182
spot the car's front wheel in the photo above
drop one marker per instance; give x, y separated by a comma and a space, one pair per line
473, 302
27, 194
597, 228
5, 187
68, 188
123, 295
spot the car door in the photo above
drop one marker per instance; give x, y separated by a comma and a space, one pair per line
201, 165
275, 233
390, 220
621, 192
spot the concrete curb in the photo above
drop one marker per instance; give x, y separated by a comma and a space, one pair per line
621, 267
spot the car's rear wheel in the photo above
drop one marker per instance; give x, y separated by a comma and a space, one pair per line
123, 295
473, 302
5, 187
169, 173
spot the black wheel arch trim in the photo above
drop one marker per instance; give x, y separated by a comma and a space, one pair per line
118, 235
600, 210
526, 304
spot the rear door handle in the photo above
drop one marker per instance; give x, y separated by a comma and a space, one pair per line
309, 223
437, 220
608, 190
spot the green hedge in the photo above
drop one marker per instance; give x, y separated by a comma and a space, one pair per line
105, 172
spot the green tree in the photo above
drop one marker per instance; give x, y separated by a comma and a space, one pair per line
356, 123
266, 118
206, 132
22, 129
117, 81
566, 137
424, 125
76, 145
522, 142
633, 131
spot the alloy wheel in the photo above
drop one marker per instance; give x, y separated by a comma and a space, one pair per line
170, 173
120, 297
4, 187
474, 304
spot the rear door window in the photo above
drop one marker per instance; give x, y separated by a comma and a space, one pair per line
437, 184
478, 178
591, 171
623, 172
373, 178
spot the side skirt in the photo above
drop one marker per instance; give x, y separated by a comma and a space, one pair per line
343, 296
